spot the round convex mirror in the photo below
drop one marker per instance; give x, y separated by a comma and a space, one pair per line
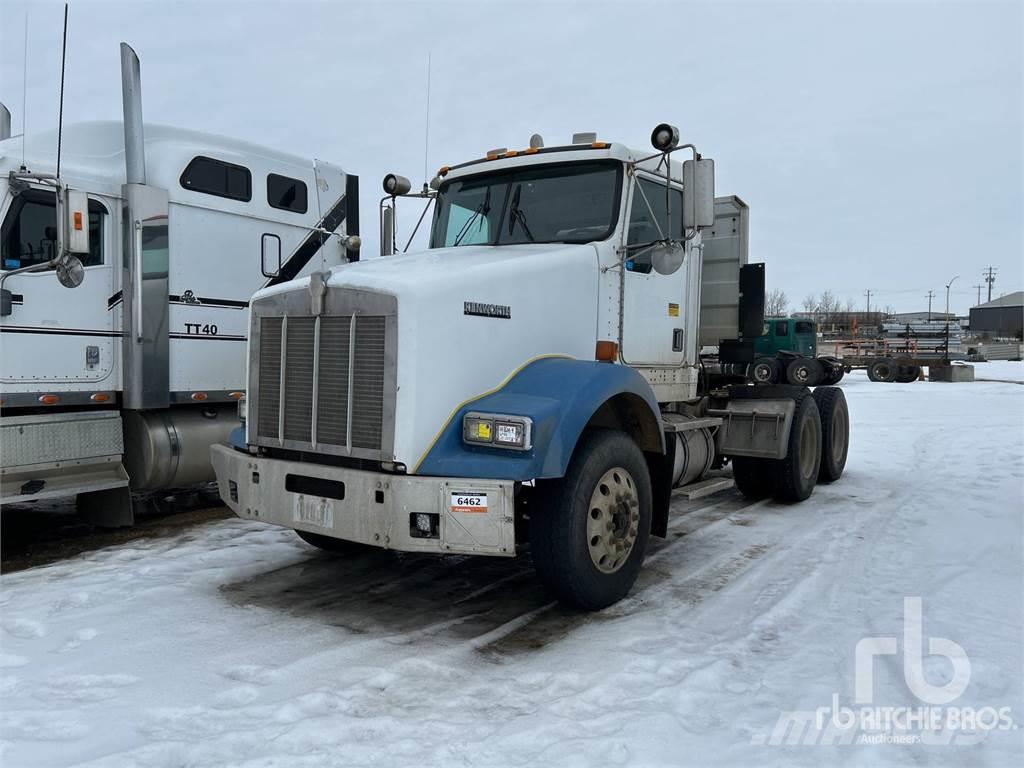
667, 258
70, 271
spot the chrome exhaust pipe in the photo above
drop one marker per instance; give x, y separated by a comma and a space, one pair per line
131, 96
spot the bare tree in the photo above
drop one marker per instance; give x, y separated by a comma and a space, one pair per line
829, 304
810, 303
850, 307
777, 303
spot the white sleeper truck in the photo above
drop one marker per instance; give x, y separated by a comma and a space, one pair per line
532, 378
118, 372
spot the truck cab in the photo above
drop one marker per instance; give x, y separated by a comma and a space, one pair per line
795, 335
125, 283
532, 377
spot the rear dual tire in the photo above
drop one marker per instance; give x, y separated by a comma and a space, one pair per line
792, 478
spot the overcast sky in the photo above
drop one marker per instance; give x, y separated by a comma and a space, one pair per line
879, 146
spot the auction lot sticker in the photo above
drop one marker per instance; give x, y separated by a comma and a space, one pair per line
469, 502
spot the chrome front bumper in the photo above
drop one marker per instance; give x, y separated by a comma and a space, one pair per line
376, 508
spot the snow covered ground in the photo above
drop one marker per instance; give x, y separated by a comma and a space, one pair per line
234, 644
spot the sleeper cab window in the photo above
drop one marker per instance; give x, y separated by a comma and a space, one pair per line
286, 193
215, 177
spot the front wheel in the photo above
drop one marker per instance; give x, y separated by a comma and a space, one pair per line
589, 536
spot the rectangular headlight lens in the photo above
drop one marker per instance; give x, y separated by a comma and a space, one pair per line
498, 430
477, 430
509, 433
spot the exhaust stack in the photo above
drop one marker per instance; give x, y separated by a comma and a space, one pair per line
131, 95
5, 123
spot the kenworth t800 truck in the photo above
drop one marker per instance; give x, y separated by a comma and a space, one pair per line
120, 371
533, 377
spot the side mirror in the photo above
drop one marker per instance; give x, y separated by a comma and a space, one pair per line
698, 193
72, 221
667, 258
270, 255
70, 271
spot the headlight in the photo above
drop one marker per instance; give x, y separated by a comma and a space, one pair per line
243, 409
498, 430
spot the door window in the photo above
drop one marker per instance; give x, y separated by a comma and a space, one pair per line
804, 327
782, 328
29, 233
649, 220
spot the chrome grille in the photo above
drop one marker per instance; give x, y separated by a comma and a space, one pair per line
325, 383
368, 383
332, 411
298, 378
268, 411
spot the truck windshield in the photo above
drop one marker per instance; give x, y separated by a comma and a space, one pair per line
558, 203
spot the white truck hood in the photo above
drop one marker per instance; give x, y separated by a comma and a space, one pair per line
449, 352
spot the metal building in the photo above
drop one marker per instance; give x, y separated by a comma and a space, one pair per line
1001, 318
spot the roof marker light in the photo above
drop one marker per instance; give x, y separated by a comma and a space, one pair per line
49, 399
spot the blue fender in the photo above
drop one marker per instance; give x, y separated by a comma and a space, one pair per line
560, 395
236, 439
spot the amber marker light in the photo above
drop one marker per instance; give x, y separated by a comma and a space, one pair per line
607, 351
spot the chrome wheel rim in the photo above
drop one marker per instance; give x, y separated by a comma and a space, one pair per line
613, 520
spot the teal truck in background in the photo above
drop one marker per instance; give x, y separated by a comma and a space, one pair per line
787, 352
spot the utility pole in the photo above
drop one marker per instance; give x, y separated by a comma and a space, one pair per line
990, 277
979, 295
868, 294
930, 294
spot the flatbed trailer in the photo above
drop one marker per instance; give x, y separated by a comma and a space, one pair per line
889, 360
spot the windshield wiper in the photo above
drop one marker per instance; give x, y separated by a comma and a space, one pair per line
515, 213
484, 208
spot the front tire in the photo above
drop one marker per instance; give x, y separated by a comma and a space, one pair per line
590, 534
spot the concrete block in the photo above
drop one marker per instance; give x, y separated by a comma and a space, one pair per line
952, 373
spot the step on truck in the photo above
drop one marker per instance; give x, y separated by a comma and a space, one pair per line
124, 288
530, 379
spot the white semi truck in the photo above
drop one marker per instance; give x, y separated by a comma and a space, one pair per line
533, 377
124, 381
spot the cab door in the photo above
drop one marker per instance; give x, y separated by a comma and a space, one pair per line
57, 338
653, 330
